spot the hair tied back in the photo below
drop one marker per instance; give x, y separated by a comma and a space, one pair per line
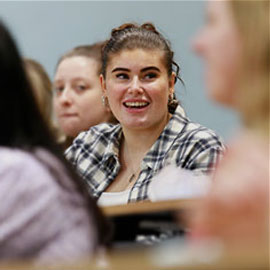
115, 31
150, 27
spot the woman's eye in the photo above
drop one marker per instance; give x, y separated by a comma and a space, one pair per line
58, 89
122, 76
150, 76
80, 87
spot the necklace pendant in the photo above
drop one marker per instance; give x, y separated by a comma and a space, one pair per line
131, 178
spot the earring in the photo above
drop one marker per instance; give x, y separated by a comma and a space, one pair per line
171, 97
172, 103
104, 101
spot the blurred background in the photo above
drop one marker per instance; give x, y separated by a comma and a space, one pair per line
46, 30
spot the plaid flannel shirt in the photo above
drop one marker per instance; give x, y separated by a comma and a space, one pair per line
95, 153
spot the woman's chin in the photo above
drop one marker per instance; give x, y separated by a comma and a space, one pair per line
72, 131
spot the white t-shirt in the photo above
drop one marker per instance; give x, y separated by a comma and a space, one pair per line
113, 198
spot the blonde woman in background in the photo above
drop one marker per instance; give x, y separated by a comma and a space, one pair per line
235, 46
78, 100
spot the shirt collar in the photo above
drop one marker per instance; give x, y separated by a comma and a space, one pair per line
113, 147
166, 139
159, 149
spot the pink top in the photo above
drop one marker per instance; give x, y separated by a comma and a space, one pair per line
39, 219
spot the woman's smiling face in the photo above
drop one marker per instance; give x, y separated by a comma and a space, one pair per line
138, 86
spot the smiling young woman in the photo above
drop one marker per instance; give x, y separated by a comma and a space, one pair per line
118, 162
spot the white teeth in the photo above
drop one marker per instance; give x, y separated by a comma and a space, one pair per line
136, 104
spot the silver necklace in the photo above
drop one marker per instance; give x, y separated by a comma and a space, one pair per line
131, 178
133, 175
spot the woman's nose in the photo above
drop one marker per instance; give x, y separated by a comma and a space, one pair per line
197, 43
135, 86
65, 97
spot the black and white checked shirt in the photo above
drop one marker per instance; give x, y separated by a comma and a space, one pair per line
94, 153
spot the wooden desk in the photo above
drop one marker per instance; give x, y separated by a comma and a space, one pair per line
142, 259
148, 207
150, 258
146, 220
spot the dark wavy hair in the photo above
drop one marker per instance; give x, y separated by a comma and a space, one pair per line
23, 126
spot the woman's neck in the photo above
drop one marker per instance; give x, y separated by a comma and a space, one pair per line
140, 141
134, 146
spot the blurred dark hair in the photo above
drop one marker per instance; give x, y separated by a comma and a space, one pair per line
24, 127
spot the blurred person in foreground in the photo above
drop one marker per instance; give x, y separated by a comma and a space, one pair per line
45, 215
234, 44
77, 100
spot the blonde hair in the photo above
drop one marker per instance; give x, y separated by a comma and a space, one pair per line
252, 21
42, 87
92, 51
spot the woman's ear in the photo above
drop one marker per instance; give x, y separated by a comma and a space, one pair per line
104, 94
103, 84
172, 82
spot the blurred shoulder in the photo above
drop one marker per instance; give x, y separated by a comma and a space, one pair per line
195, 132
14, 157
187, 127
23, 171
203, 132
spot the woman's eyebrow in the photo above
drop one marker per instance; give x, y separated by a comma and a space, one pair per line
150, 68
58, 81
120, 69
